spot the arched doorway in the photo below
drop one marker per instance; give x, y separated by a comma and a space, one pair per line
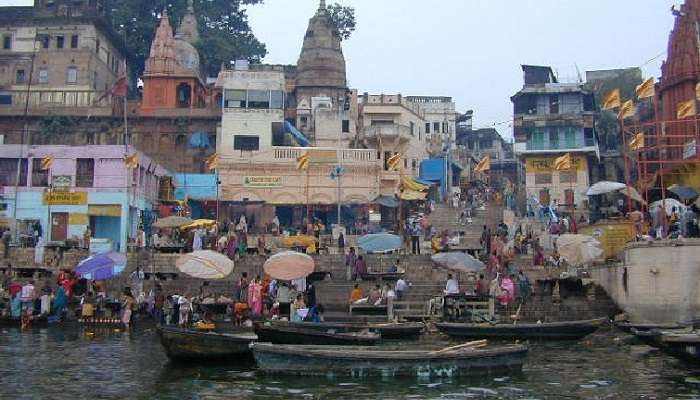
184, 95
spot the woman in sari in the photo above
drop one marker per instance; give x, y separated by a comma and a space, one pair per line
255, 296
508, 290
242, 244
232, 246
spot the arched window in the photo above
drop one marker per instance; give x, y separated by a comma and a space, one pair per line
184, 95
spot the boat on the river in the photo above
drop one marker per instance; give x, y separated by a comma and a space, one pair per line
188, 344
286, 333
391, 330
564, 330
685, 346
382, 361
627, 326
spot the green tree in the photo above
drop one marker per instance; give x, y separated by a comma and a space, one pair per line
223, 24
343, 20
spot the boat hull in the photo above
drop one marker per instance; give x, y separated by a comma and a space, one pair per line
289, 334
398, 331
363, 361
572, 330
184, 344
683, 346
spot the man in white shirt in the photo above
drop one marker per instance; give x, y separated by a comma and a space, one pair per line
27, 297
400, 288
452, 286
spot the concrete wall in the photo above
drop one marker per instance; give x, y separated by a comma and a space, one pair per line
662, 281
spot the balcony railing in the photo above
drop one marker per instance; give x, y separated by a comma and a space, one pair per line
346, 156
387, 131
56, 98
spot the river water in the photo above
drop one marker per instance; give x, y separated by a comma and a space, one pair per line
72, 364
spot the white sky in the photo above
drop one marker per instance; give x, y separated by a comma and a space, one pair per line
472, 49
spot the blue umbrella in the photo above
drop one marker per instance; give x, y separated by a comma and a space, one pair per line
379, 243
101, 266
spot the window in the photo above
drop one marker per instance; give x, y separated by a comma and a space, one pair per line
405, 163
570, 138
304, 122
20, 76
60, 42
413, 128
84, 172
72, 75
246, 142
5, 98
445, 127
8, 171
553, 104
567, 177
7, 42
427, 127
346, 126
44, 40
40, 177
436, 127
543, 179
259, 99
277, 99
387, 156
279, 137
234, 99
536, 141
553, 139
43, 75
97, 46
588, 137
74, 41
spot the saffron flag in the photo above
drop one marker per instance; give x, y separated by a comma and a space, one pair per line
563, 163
212, 162
611, 100
394, 162
132, 161
303, 162
638, 141
646, 89
627, 110
484, 165
686, 109
46, 162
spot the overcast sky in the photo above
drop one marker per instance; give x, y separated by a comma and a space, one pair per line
472, 49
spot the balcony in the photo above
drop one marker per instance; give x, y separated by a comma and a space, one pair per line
55, 102
324, 155
393, 131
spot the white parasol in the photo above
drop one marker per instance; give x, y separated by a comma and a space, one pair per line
578, 249
205, 264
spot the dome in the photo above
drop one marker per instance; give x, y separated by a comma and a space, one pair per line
186, 55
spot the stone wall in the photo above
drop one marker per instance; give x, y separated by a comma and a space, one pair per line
661, 281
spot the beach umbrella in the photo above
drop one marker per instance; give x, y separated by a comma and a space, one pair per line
669, 204
205, 264
101, 266
289, 265
298, 241
578, 249
457, 261
684, 192
604, 187
199, 223
379, 243
172, 221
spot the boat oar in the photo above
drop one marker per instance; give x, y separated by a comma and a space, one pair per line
474, 344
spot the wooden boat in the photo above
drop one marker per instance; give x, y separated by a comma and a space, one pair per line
650, 337
379, 361
685, 346
290, 334
37, 322
626, 326
398, 330
566, 330
186, 344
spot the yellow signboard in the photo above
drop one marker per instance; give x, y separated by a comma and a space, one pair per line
612, 236
65, 198
262, 181
78, 219
105, 210
546, 164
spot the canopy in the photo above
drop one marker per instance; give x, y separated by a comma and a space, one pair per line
298, 241
101, 266
205, 264
669, 205
412, 184
172, 222
604, 187
387, 201
289, 265
199, 223
684, 192
578, 249
379, 243
409, 195
457, 261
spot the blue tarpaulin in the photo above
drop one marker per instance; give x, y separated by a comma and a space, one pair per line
433, 171
195, 186
302, 140
379, 243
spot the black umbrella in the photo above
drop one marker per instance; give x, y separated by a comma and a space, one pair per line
684, 192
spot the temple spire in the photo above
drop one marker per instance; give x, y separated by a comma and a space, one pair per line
188, 30
322, 6
190, 6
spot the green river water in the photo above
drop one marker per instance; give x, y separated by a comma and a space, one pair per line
69, 364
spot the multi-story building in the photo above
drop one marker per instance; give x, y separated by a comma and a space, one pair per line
85, 186
440, 120
550, 120
479, 143
63, 54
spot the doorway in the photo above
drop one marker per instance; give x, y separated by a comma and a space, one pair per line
59, 227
